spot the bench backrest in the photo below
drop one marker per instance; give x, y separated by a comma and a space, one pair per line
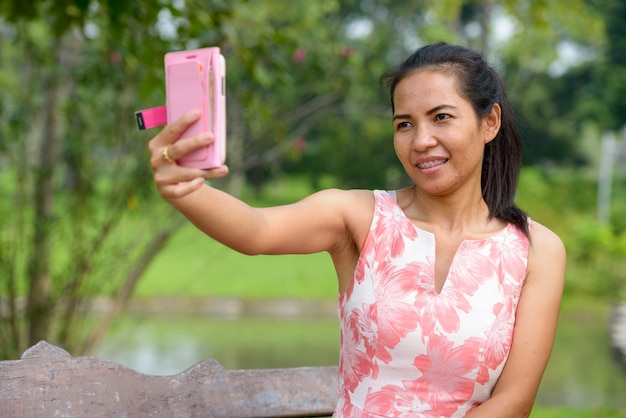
48, 382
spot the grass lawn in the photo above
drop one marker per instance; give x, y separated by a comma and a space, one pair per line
193, 265
539, 412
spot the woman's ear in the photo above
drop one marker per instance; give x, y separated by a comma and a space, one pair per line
491, 123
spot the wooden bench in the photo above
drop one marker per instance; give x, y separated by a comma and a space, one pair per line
47, 382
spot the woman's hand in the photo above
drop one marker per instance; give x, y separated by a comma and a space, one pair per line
173, 181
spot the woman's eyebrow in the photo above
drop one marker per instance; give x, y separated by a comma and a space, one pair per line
440, 107
429, 112
401, 117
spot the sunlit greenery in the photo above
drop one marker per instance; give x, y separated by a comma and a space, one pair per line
539, 412
80, 216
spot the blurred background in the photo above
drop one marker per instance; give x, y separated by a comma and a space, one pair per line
93, 261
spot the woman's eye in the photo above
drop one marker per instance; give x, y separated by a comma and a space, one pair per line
442, 116
403, 125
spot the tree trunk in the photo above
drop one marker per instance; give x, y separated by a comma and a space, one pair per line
485, 17
40, 305
40, 283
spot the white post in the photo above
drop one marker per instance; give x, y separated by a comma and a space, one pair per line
606, 176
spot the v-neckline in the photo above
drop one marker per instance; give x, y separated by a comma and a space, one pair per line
432, 235
433, 265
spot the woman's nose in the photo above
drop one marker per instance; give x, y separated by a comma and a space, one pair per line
423, 138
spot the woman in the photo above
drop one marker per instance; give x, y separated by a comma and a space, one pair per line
448, 294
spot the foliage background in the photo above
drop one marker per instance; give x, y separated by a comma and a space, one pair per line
80, 216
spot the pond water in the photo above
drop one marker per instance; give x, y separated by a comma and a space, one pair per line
582, 371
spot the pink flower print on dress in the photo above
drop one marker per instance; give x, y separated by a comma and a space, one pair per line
367, 326
439, 313
472, 266
441, 389
445, 371
394, 220
498, 341
512, 263
355, 364
395, 311
394, 401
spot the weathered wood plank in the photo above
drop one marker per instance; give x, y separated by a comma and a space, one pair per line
48, 382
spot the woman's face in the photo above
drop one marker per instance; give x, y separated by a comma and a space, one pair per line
437, 135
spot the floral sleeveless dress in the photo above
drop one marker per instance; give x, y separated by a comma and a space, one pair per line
408, 351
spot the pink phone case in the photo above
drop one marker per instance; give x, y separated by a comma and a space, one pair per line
196, 79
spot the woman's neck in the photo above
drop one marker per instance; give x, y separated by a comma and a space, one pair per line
458, 213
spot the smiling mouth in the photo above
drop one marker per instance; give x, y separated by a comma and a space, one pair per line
431, 164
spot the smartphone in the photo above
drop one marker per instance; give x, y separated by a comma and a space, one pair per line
196, 79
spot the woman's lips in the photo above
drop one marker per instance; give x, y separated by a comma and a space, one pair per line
431, 163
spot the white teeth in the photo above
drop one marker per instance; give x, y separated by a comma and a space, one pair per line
430, 164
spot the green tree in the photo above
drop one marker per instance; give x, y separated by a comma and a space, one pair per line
74, 167
303, 96
69, 170
542, 67
521, 38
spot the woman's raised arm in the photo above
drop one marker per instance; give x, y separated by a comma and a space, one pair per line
320, 222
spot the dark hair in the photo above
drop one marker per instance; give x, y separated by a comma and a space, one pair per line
482, 87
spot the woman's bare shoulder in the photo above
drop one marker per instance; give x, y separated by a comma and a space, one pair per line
356, 208
543, 238
353, 199
351, 208
547, 254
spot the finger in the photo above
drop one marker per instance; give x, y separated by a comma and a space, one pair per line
214, 173
184, 146
183, 181
174, 130
161, 159
183, 174
170, 174
178, 190
173, 174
